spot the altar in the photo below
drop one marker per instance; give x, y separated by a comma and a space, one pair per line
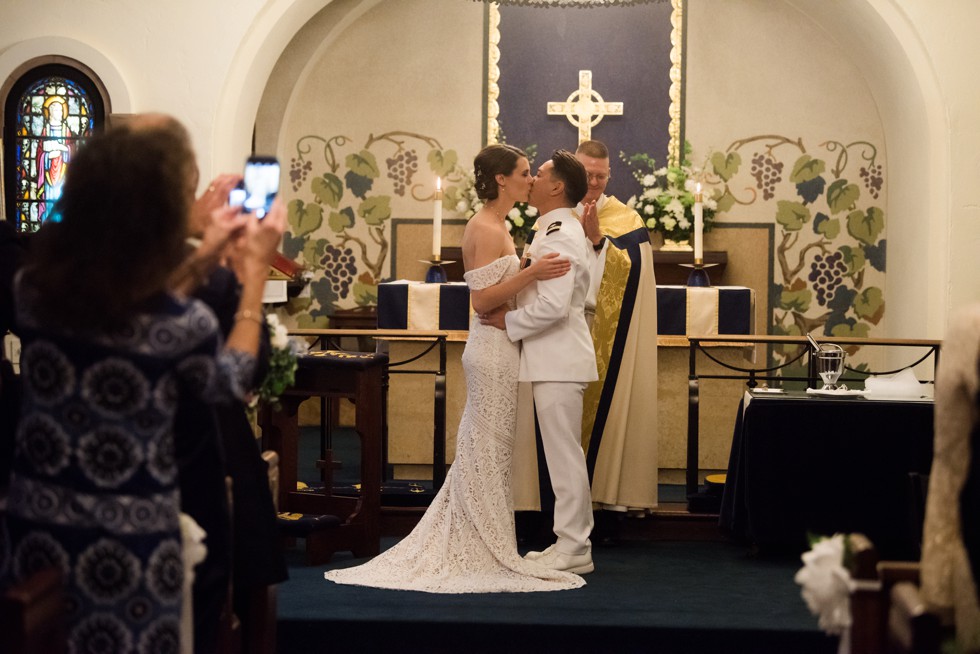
681, 311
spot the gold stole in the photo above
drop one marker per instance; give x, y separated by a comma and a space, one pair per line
615, 219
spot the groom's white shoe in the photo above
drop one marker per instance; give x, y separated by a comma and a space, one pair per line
579, 564
534, 556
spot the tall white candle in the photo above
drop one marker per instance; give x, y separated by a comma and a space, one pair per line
698, 225
437, 222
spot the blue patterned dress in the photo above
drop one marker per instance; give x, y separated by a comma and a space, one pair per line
94, 483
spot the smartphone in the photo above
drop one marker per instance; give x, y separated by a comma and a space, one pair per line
261, 184
236, 198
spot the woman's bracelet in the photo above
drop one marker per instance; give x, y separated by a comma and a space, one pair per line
248, 314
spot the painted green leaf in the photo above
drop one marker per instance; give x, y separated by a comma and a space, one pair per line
796, 300
854, 259
364, 164
785, 349
328, 189
365, 294
811, 190
806, 168
826, 226
304, 218
725, 201
292, 245
857, 330
867, 226
725, 166
792, 215
341, 220
841, 196
375, 210
298, 304
442, 162
870, 305
359, 185
313, 251
306, 321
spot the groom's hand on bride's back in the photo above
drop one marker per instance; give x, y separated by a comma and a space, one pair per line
495, 318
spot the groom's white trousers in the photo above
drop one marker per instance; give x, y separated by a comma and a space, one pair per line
559, 410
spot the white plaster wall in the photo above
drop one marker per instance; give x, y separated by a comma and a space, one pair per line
209, 62
943, 36
202, 62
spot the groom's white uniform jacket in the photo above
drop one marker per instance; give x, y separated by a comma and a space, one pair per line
550, 319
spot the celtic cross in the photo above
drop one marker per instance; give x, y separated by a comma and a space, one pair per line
584, 108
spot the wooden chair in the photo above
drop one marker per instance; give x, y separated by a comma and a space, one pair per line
32, 615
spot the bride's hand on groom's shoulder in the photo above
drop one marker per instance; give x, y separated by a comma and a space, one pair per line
549, 266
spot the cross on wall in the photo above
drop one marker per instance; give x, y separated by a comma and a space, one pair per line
585, 108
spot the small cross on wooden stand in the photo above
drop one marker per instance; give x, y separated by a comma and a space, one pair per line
585, 108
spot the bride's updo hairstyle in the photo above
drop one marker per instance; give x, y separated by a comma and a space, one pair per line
493, 160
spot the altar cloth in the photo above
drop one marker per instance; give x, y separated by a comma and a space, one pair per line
705, 311
681, 310
424, 306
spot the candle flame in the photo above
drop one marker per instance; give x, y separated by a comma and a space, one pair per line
438, 183
699, 187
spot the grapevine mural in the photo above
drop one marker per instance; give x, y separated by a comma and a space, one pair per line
830, 236
343, 198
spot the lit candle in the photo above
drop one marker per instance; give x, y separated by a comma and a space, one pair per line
437, 222
698, 226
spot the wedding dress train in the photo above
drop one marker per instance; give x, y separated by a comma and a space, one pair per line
465, 542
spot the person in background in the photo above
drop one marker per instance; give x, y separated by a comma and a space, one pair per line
947, 579
465, 542
108, 350
557, 357
214, 441
13, 247
619, 423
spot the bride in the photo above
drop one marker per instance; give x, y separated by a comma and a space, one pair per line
465, 542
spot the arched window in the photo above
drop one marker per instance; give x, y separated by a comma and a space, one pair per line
49, 112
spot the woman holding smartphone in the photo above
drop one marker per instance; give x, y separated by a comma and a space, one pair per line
108, 353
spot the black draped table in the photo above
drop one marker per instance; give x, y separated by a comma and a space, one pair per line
804, 465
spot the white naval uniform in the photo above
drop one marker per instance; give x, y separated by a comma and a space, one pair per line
558, 358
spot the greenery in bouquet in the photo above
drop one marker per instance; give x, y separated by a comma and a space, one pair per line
666, 198
282, 365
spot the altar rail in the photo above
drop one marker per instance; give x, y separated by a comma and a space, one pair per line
752, 376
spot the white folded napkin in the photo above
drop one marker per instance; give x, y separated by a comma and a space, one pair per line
901, 385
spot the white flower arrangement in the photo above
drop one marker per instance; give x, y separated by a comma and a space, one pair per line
827, 584
666, 198
282, 365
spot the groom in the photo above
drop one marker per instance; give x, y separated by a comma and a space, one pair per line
557, 355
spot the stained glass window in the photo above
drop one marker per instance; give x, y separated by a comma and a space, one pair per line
49, 113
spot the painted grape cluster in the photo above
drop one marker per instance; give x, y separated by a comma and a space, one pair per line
298, 171
827, 273
873, 178
401, 166
340, 266
767, 172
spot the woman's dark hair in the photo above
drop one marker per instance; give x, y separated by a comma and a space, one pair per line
124, 211
571, 171
493, 160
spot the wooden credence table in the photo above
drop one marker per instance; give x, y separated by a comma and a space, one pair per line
360, 376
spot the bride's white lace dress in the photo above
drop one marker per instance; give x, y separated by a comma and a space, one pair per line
465, 542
